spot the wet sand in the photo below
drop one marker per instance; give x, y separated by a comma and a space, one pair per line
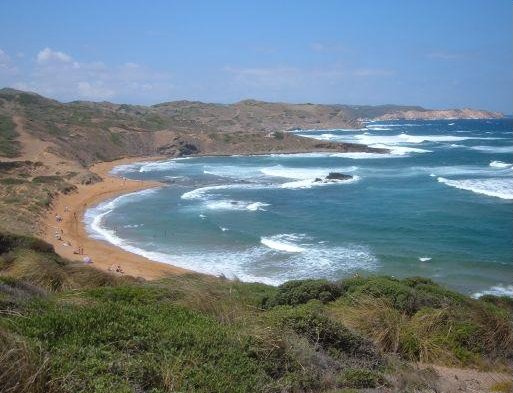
104, 255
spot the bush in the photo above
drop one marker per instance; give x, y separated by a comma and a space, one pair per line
301, 291
12, 181
360, 378
309, 321
409, 295
9, 242
120, 347
504, 302
47, 179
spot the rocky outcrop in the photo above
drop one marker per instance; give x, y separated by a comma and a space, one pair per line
333, 177
449, 114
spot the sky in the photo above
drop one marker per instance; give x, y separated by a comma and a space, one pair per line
438, 54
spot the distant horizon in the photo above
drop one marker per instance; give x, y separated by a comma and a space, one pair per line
257, 100
433, 54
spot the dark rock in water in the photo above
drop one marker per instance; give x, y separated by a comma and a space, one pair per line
332, 177
338, 176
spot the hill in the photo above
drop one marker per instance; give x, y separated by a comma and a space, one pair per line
46, 146
68, 327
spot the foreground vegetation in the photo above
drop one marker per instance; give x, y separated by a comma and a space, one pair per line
65, 327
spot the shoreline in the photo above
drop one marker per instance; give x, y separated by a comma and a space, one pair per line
72, 228
103, 254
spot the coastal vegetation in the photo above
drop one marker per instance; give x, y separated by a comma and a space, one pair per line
67, 327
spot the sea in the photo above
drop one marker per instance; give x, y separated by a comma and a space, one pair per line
439, 205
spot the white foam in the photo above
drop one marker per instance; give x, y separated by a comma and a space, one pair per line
407, 138
424, 259
373, 128
463, 170
493, 149
232, 171
497, 290
302, 173
364, 155
283, 242
495, 187
129, 226
399, 124
400, 150
394, 140
235, 205
500, 164
309, 183
257, 206
203, 192
297, 259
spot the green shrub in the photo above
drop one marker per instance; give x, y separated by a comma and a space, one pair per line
280, 135
311, 322
117, 346
9, 242
47, 179
360, 378
12, 181
301, 291
9, 147
504, 302
408, 295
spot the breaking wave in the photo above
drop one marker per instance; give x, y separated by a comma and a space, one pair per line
495, 187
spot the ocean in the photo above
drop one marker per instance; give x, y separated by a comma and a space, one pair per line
439, 205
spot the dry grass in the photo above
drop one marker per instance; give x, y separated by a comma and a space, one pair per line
376, 319
22, 369
497, 332
50, 272
476, 334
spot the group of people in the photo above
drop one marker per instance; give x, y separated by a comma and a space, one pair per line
116, 269
59, 232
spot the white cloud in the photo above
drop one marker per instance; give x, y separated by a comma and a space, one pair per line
94, 91
58, 75
293, 77
48, 55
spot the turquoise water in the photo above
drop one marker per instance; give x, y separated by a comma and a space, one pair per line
439, 205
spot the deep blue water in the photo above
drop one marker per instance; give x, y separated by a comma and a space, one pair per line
440, 205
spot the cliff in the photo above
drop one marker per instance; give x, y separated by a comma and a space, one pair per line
447, 114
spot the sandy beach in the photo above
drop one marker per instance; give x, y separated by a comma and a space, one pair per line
71, 228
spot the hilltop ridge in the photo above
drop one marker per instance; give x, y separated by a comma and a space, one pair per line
47, 147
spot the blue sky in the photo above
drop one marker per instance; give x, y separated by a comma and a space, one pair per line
433, 53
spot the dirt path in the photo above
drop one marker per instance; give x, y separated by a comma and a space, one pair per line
453, 380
